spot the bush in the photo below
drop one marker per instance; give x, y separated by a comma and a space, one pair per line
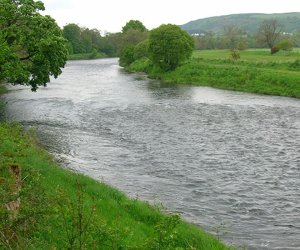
286, 45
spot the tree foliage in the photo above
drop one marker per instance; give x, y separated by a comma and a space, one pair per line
127, 55
134, 33
286, 45
169, 45
72, 33
141, 50
235, 37
85, 40
134, 25
31, 45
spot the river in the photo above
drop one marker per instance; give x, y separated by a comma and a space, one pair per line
227, 161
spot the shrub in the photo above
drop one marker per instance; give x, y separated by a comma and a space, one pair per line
285, 45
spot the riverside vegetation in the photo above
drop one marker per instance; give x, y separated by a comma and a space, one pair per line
46, 206
255, 71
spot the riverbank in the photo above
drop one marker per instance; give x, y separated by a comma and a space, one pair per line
46, 206
86, 56
3, 89
256, 71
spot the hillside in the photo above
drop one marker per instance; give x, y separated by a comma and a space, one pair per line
248, 22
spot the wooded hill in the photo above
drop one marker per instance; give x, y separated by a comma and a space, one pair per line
248, 22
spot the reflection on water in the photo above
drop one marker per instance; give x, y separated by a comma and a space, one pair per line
223, 159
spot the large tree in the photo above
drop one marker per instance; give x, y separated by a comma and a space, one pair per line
31, 45
269, 33
169, 45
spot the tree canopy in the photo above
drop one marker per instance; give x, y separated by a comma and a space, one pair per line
31, 45
134, 25
169, 45
133, 33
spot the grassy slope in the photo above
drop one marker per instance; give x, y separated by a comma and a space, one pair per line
61, 209
257, 71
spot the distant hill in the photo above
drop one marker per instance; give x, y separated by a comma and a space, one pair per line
249, 22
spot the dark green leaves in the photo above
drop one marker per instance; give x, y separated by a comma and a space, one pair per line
32, 47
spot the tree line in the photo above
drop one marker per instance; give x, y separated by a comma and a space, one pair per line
84, 40
269, 34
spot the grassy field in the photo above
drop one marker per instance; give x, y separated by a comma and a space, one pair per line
256, 71
43, 206
251, 55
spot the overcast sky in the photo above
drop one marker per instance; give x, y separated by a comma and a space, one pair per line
111, 15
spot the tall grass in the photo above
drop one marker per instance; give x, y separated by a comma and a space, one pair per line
60, 209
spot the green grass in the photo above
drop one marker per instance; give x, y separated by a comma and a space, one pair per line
257, 71
86, 56
3, 89
64, 210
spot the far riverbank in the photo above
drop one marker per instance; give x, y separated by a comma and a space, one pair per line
257, 71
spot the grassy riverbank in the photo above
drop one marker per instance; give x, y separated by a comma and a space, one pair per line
47, 207
257, 71
86, 56
3, 89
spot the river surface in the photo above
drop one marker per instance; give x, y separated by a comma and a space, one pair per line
227, 161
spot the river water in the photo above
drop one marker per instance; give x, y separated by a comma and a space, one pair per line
227, 161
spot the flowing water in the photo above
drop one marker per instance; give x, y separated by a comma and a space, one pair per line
227, 161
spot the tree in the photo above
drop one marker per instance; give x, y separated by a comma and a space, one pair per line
134, 25
133, 33
269, 33
169, 45
110, 43
32, 46
234, 37
72, 33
